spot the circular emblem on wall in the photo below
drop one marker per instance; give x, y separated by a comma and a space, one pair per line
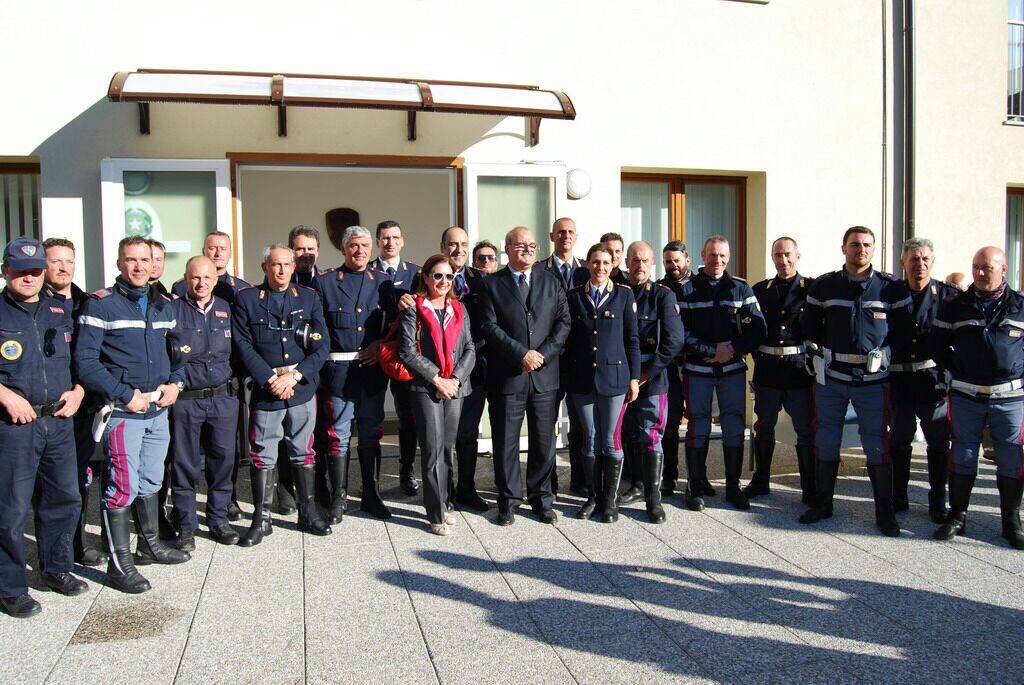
10, 350
136, 182
140, 219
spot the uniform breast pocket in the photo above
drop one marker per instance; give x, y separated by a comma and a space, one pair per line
343, 319
617, 371
263, 333
57, 342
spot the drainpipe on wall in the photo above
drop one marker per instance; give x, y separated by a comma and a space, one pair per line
903, 127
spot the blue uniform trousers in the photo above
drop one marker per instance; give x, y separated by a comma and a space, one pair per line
368, 411
43, 450
1005, 420
644, 423
293, 425
871, 402
798, 403
135, 450
673, 417
601, 417
697, 392
215, 420
908, 409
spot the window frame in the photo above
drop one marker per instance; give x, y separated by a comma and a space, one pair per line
473, 171
1011, 118
29, 167
1015, 283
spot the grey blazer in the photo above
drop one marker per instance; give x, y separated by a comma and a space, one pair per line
423, 362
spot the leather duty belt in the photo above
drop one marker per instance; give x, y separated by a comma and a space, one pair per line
229, 387
909, 367
781, 351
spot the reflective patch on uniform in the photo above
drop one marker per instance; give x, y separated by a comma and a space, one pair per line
221, 314
1014, 333
227, 332
57, 310
878, 315
10, 350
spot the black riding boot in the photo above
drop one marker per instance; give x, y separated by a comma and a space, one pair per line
653, 465
87, 556
634, 474
337, 468
310, 518
465, 493
960, 487
805, 463
149, 549
1009, 507
733, 470
900, 477
696, 476
263, 485
590, 478
611, 470
938, 473
759, 482
881, 483
369, 467
825, 474
121, 572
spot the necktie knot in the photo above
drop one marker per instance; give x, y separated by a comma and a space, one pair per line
391, 271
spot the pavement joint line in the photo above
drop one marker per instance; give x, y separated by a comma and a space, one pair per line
60, 655
412, 605
195, 610
305, 630
533, 619
624, 593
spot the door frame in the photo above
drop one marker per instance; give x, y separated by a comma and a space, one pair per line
112, 197
473, 171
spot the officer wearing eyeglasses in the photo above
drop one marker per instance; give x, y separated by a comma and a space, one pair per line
37, 442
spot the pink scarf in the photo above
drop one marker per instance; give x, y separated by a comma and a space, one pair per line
444, 340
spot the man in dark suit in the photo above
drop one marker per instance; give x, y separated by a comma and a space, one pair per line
525, 321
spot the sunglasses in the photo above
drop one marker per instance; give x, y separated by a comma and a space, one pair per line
438, 276
486, 257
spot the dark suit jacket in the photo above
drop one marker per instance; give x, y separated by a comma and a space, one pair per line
513, 327
425, 361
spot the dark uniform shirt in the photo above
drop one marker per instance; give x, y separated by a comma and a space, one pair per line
726, 311
204, 341
35, 349
603, 347
660, 329
781, 302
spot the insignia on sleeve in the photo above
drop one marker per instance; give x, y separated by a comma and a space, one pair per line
57, 310
221, 314
10, 350
227, 332
185, 349
747, 319
315, 336
67, 336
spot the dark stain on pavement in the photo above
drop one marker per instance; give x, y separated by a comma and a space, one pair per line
129, 620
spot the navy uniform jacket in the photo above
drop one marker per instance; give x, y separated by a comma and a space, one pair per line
618, 277
226, 288
603, 349
471, 304
660, 329
406, 279
204, 339
354, 311
578, 273
855, 317
72, 305
35, 354
118, 349
976, 350
781, 307
711, 315
512, 327
264, 345
924, 306
308, 278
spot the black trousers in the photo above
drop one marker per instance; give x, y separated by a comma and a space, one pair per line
506, 413
437, 424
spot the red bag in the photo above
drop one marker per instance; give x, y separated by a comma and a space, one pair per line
389, 360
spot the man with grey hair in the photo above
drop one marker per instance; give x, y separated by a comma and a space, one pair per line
354, 385
279, 334
917, 384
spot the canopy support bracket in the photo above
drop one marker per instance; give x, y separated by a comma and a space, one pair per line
411, 124
144, 118
532, 131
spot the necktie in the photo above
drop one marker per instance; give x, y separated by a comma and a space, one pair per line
391, 272
524, 286
595, 295
565, 274
460, 285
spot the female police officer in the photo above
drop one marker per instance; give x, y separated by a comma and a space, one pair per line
604, 374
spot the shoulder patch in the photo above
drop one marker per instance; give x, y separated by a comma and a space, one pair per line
887, 276
100, 294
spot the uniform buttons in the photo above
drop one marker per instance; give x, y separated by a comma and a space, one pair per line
782, 328
359, 328
286, 356
284, 339
359, 309
594, 332
595, 349
595, 363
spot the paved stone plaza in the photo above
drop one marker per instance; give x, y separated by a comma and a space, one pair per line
718, 596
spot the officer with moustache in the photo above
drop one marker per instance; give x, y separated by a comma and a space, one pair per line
660, 330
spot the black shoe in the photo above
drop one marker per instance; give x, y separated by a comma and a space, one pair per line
825, 475
149, 548
262, 484
91, 556
224, 534
472, 501
186, 541
759, 482
546, 515
652, 468
1010, 490
733, 470
121, 572
65, 584
337, 470
506, 516
22, 606
234, 512
694, 503
310, 519
369, 467
611, 473
881, 483
956, 524
410, 486
634, 493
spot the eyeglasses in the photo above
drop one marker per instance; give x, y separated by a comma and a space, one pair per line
524, 247
438, 276
486, 257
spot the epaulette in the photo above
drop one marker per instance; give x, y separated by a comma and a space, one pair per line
737, 278
887, 276
302, 287
623, 285
242, 290
100, 294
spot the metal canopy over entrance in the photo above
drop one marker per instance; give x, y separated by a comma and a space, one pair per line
145, 86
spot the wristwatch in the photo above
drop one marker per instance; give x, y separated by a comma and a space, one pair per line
297, 375
181, 385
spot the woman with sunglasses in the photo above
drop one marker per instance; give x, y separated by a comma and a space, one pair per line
435, 344
604, 375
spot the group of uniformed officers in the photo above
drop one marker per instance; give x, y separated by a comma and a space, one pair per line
163, 383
